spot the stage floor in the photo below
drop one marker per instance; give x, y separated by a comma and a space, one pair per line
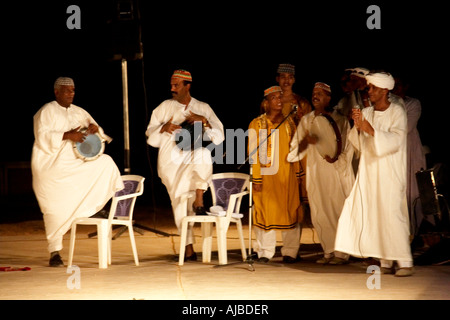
158, 277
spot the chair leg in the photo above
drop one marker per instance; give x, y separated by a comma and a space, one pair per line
241, 239
207, 241
109, 245
103, 245
73, 234
184, 226
222, 242
133, 244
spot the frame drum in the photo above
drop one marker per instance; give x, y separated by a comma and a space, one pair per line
329, 137
190, 136
91, 148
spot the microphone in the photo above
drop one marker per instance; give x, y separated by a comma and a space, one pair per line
358, 107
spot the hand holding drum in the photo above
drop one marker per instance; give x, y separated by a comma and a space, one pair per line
311, 138
74, 135
88, 145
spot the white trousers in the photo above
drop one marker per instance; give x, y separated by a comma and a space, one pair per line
336, 254
180, 211
265, 243
401, 264
55, 243
190, 172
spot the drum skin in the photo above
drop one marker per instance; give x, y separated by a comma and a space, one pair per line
329, 137
91, 148
188, 138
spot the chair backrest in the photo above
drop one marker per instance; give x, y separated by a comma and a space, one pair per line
124, 200
225, 184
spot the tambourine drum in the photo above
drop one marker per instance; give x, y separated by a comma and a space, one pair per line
190, 136
329, 137
91, 148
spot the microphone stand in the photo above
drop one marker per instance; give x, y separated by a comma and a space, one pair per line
250, 256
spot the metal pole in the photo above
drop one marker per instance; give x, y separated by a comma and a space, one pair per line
126, 126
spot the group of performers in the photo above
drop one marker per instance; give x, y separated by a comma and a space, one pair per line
357, 201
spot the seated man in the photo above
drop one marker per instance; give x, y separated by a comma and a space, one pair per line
66, 186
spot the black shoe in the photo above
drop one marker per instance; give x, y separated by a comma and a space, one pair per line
103, 214
192, 257
252, 257
263, 260
289, 259
56, 261
199, 211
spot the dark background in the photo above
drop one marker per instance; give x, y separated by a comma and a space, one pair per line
232, 49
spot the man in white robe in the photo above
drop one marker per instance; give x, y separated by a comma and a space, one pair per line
328, 181
184, 171
374, 221
416, 160
66, 186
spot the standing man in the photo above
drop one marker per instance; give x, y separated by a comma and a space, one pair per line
374, 221
328, 182
275, 181
354, 86
286, 79
67, 187
183, 171
415, 155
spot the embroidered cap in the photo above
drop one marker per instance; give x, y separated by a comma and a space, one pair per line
63, 81
272, 90
182, 74
286, 68
323, 86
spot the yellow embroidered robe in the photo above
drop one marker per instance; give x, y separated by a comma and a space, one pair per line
276, 206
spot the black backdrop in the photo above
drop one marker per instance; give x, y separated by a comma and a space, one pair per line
232, 49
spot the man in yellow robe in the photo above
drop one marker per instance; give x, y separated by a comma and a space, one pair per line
286, 80
275, 181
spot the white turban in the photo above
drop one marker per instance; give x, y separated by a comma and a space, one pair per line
63, 81
382, 80
359, 72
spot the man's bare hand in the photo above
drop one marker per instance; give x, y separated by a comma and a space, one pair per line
193, 117
257, 187
74, 135
92, 129
169, 127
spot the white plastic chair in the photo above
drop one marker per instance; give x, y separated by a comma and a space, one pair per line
120, 213
227, 190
